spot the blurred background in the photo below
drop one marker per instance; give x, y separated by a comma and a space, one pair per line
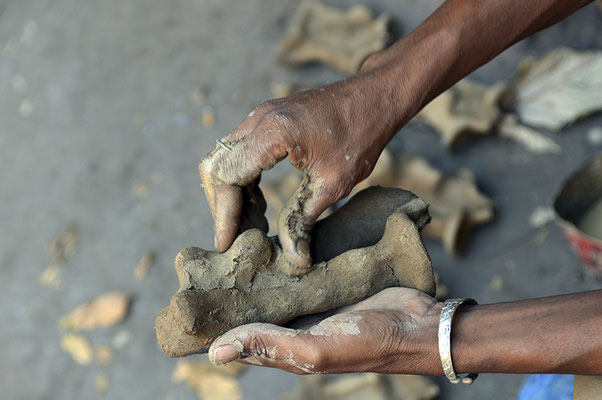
106, 108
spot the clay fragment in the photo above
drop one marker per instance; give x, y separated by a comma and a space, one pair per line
467, 108
341, 39
369, 244
455, 203
558, 89
531, 139
364, 386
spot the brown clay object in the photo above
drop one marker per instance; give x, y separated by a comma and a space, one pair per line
371, 243
342, 39
467, 108
455, 203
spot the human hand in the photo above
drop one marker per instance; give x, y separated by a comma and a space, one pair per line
334, 134
394, 331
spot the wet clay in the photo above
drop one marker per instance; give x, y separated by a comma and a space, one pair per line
342, 39
591, 222
371, 243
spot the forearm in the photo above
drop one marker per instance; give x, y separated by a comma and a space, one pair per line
560, 334
455, 40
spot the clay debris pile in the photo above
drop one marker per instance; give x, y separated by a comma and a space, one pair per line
371, 243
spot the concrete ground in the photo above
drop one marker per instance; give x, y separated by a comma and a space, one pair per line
95, 101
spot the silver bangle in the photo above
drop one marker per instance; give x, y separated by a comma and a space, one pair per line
445, 321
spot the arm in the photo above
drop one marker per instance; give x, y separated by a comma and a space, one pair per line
395, 331
336, 133
560, 334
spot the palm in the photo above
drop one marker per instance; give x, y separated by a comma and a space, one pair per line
363, 337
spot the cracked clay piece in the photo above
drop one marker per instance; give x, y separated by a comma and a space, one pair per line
369, 244
455, 203
559, 88
342, 39
467, 108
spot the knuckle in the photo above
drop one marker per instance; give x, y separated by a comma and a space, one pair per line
280, 118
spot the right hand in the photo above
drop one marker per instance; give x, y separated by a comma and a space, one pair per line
333, 134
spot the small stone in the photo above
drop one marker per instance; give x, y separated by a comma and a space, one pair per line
143, 265
541, 216
78, 347
121, 339
208, 115
103, 354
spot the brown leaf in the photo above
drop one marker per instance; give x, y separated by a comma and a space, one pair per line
63, 246
105, 310
78, 348
143, 265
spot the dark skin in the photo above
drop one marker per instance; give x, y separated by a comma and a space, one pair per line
335, 134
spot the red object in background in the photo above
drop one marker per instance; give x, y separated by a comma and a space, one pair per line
578, 193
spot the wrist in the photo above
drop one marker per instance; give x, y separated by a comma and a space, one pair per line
418, 352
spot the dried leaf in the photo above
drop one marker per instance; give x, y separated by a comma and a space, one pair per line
78, 348
105, 310
209, 381
143, 265
52, 277
63, 246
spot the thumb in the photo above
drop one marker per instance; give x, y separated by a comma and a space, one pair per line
297, 218
264, 344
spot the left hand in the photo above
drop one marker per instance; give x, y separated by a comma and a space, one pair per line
394, 331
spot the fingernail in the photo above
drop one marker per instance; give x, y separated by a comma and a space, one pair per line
224, 354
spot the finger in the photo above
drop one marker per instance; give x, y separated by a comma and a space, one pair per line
267, 345
297, 218
225, 170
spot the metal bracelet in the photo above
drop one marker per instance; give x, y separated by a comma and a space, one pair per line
445, 321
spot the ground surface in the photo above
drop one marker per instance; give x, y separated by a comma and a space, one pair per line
95, 99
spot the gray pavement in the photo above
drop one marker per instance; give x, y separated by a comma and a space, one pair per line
95, 99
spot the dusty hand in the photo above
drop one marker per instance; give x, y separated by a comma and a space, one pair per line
394, 331
334, 134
